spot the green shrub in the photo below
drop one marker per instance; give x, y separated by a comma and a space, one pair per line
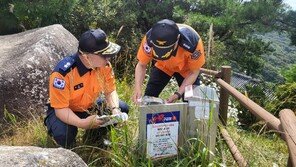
290, 74
256, 94
285, 98
285, 93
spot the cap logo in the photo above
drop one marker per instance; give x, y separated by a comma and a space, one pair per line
167, 55
161, 42
103, 50
163, 47
110, 49
154, 54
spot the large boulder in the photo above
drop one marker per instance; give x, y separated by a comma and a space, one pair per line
26, 62
36, 156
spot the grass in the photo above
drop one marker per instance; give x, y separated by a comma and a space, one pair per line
258, 149
264, 149
31, 132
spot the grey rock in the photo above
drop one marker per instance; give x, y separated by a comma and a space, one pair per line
26, 61
29, 156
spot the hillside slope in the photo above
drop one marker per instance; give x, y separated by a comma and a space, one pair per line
283, 56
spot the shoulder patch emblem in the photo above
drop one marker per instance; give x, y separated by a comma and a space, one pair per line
59, 83
195, 55
146, 48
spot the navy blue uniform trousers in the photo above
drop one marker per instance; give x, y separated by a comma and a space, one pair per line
65, 134
159, 79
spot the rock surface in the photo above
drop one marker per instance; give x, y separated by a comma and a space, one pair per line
29, 156
26, 61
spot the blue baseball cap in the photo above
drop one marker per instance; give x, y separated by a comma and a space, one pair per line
164, 35
95, 41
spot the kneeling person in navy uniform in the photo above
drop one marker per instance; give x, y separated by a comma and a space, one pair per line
75, 87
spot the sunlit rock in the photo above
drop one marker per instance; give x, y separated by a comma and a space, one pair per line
26, 61
29, 156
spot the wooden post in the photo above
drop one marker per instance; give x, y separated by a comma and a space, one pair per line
233, 148
224, 96
288, 124
254, 108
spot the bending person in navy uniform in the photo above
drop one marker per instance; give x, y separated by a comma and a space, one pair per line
75, 88
177, 50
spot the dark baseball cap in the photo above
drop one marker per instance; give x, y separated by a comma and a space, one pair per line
96, 42
164, 35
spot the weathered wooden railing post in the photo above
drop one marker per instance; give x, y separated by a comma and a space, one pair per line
233, 148
224, 96
288, 125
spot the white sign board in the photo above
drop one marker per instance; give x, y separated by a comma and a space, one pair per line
162, 134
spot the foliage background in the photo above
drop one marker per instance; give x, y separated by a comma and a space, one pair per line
255, 37
234, 23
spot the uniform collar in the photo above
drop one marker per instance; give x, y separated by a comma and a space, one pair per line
175, 51
82, 69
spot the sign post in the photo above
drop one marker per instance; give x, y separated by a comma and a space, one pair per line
160, 136
164, 128
202, 118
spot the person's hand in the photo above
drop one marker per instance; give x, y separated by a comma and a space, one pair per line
116, 110
91, 122
137, 95
172, 98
